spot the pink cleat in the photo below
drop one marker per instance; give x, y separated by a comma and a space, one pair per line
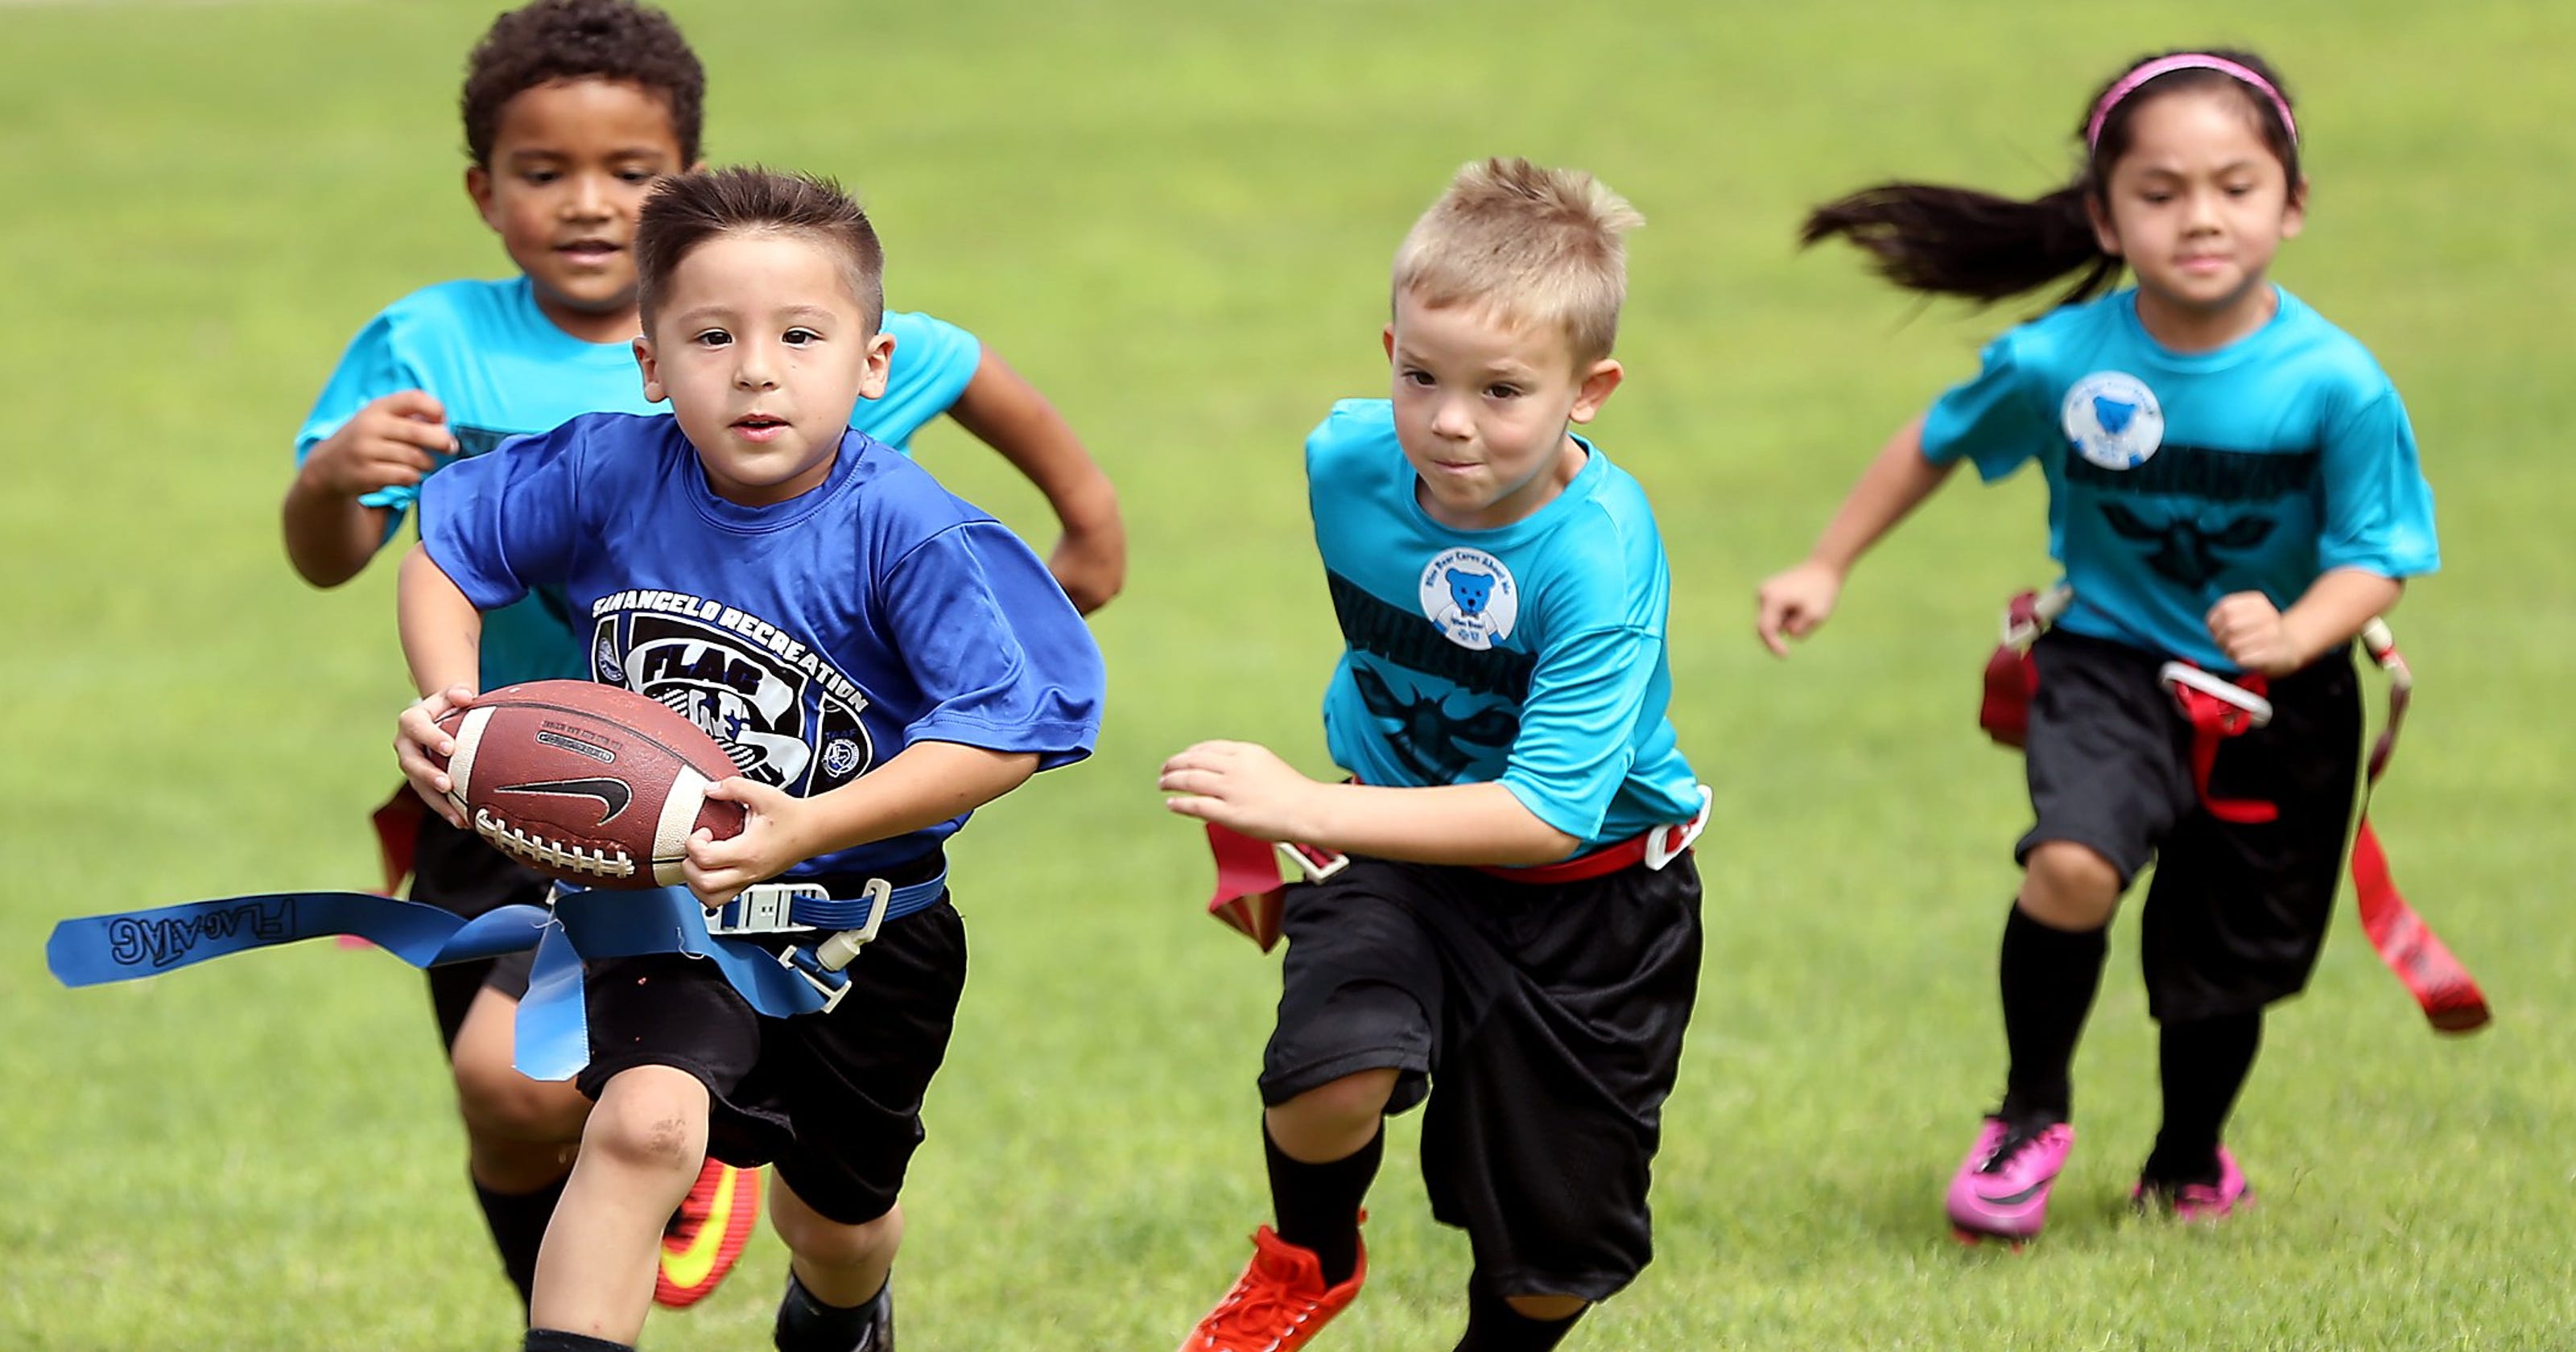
2001, 1189
2198, 1201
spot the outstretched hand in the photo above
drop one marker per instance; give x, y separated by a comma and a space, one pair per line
1242, 785
771, 841
1790, 604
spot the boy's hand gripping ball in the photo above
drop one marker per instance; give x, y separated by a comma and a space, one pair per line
591, 784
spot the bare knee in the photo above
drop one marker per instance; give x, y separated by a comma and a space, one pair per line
2069, 886
818, 1239
1333, 1119
1548, 1309
651, 1119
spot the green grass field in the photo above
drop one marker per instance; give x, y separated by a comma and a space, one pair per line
1176, 218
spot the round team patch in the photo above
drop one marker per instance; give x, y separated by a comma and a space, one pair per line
1471, 597
2113, 420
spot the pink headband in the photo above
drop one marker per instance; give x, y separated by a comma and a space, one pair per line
2166, 65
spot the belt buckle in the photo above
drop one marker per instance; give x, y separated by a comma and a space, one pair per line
1665, 844
764, 908
825, 967
1316, 864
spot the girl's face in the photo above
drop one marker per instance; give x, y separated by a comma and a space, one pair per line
2197, 205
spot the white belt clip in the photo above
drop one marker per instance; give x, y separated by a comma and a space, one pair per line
1667, 843
764, 908
2219, 688
1315, 864
823, 968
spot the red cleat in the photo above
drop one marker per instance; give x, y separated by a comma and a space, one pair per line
706, 1234
1278, 1303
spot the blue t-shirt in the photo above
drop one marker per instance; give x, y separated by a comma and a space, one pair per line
502, 369
1532, 653
813, 639
2177, 478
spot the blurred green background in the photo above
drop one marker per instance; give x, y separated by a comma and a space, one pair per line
1176, 219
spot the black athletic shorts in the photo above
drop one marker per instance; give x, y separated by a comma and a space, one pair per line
1544, 1025
458, 871
834, 1099
2237, 912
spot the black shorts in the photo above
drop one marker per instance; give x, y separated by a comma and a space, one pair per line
834, 1099
458, 871
2237, 912
1543, 1023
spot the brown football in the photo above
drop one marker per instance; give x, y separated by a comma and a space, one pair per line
588, 783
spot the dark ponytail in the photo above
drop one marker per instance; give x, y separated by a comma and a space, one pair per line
1961, 242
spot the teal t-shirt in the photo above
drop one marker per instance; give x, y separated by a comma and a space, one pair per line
1532, 653
2177, 478
502, 369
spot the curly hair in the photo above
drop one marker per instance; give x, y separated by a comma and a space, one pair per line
553, 40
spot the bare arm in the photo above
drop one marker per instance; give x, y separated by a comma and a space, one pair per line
1247, 787
1792, 604
2258, 637
330, 535
924, 784
442, 638
1007, 413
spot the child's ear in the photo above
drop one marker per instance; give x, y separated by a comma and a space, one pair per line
478, 186
2105, 233
1599, 380
2294, 213
644, 361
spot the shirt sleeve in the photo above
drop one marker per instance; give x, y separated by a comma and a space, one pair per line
504, 524
1992, 419
1002, 660
933, 363
1576, 741
371, 368
2378, 509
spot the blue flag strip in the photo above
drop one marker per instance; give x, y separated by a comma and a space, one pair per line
553, 1039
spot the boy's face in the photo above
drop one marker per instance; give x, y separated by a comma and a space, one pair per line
763, 350
571, 162
1481, 409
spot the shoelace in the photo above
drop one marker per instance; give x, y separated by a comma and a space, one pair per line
1258, 1307
2015, 1138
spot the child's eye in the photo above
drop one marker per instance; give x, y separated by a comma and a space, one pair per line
539, 177
801, 337
1418, 379
711, 338
637, 175
1502, 392
2157, 198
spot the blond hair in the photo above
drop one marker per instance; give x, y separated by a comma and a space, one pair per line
1528, 246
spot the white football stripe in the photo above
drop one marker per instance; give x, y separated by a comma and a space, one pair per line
460, 766
679, 818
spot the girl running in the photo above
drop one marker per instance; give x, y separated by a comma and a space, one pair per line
2233, 493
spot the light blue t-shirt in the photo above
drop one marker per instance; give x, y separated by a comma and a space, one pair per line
2178, 478
1532, 653
502, 369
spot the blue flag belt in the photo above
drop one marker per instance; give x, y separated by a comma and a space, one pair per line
552, 1035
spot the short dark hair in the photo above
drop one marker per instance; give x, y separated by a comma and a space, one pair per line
552, 40
686, 210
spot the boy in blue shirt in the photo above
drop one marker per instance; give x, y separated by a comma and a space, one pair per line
1520, 918
572, 109
887, 659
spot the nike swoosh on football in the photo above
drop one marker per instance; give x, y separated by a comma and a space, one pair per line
613, 794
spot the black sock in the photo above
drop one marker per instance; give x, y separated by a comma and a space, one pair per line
1318, 1205
518, 1224
1494, 1326
2203, 1063
2049, 977
806, 1324
556, 1340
